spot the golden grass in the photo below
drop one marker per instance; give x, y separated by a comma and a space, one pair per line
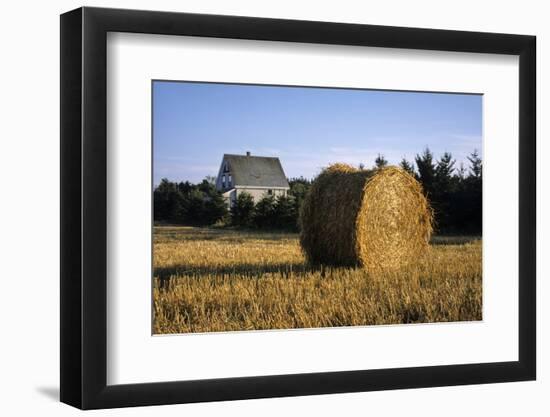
222, 280
209, 280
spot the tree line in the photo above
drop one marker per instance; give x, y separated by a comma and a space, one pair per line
202, 205
455, 195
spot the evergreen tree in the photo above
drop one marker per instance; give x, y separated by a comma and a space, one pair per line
407, 166
298, 189
241, 212
473, 192
167, 202
207, 187
286, 214
460, 205
380, 161
214, 209
445, 168
426, 171
264, 213
475, 164
186, 203
193, 208
185, 187
443, 189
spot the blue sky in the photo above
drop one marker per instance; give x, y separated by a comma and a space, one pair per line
194, 124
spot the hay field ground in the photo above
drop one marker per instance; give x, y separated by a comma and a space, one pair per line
208, 279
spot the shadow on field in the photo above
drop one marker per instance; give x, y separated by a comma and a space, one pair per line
453, 240
233, 235
249, 270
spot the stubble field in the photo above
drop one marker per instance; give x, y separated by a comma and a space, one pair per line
213, 280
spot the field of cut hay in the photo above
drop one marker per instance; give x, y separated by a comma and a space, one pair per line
224, 280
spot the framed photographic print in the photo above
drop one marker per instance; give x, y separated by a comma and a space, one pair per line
258, 208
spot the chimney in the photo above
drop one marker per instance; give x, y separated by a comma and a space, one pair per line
247, 153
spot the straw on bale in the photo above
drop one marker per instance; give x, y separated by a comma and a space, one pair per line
378, 219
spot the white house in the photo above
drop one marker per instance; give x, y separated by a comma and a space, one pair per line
255, 175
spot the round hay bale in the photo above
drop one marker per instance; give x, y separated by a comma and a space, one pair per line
378, 219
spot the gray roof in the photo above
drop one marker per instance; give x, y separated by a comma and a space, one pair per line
259, 171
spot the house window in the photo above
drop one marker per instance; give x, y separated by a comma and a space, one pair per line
270, 192
225, 167
230, 180
223, 181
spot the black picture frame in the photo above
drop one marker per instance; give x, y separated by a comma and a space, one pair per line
84, 207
